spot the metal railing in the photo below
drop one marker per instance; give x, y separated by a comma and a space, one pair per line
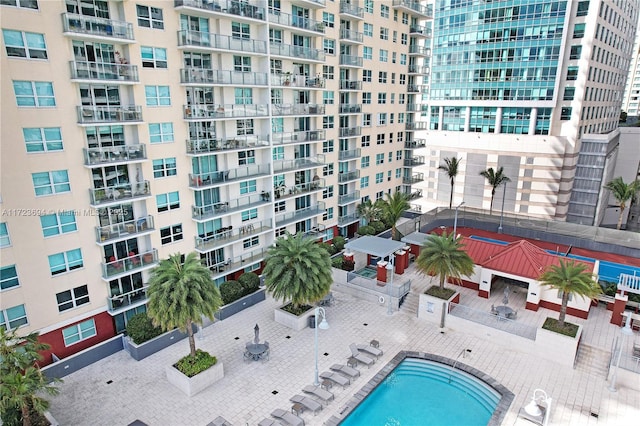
351, 9
416, 125
128, 264
414, 161
114, 154
415, 6
218, 41
414, 144
231, 7
83, 70
235, 205
348, 176
296, 190
348, 218
123, 300
207, 146
238, 262
349, 198
108, 114
351, 60
300, 214
225, 111
419, 50
297, 109
280, 166
350, 131
96, 26
235, 78
124, 229
350, 85
349, 154
351, 35
419, 69
119, 193
419, 30
229, 234
415, 178
298, 52
201, 180
397, 289
295, 137
350, 108
281, 18
494, 321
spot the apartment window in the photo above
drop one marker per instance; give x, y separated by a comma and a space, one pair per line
171, 234
275, 36
249, 214
328, 97
403, 38
403, 79
578, 30
42, 139
27, 4
405, 18
280, 206
327, 122
400, 137
79, 332
8, 277
392, 99
243, 63
66, 261
368, 30
247, 187
368, 6
384, 33
153, 57
157, 95
380, 139
239, 30
246, 157
364, 161
366, 76
398, 155
34, 93
47, 183
13, 317
382, 118
382, 98
398, 173
379, 158
583, 8
59, 223
384, 11
281, 232
328, 19
401, 117
243, 96
382, 76
366, 97
327, 192
395, 37
72, 298
250, 242
327, 146
244, 127
327, 170
565, 113
572, 73
5, 241
379, 177
403, 59
569, 93
277, 153
21, 44
168, 201
366, 120
401, 96
149, 17
384, 55
329, 46
160, 132
393, 57
367, 52
576, 51
328, 214
365, 141
164, 167
327, 72
364, 182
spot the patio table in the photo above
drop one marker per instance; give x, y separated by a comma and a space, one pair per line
504, 311
256, 350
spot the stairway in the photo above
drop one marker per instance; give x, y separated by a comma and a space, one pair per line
593, 360
410, 304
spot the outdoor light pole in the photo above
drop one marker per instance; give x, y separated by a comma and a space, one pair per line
323, 325
504, 192
390, 268
455, 220
626, 331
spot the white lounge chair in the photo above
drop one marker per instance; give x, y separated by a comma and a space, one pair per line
288, 418
345, 370
307, 403
369, 349
324, 395
355, 353
336, 378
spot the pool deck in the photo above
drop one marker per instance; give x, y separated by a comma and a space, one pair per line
249, 392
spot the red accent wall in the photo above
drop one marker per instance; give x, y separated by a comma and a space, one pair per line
483, 293
465, 284
104, 328
532, 307
570, 311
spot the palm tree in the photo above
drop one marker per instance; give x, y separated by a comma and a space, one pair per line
297, 269
450, 167
181, 293
443, 255
21, 378
570, 278
369, 211
622, 192
495, 179
392, 209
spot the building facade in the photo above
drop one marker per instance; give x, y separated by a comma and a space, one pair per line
631, 102
134, 130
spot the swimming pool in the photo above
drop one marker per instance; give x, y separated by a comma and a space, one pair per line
424, 392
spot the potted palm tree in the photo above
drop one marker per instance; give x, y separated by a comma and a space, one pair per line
180, 294
450, 167
495, 179
622, 192
392, 209
298, 271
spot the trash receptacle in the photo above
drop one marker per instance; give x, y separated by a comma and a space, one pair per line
312, 321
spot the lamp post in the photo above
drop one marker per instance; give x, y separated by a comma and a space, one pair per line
455, 220
504, 192
626, 331
323, 325
390, 268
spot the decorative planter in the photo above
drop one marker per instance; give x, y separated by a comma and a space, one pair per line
192, 385
289, 320
558, 347
431, 308
150, 347
243, 303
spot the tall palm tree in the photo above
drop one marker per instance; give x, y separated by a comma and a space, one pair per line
392, 208
622, 192
570, 278
297, 269
450, 167
443, 255
495, 179
369, 211
180, 294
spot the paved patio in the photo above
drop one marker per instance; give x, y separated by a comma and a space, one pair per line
118, 390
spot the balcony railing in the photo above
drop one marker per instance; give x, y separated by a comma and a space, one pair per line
119, 193
414, 7
351, 9
297, 109
348, 176
346, 132
235, 205
109, 114
415, 178
122, 230
282, 18
350, 60
123, 300
348, 219
349, 198
414, 161
419, 31
413, 88
317, 232
350, 85
415, 144
129, 264
350, 108
416, 125
350, 35
418, 69
207, 146
349, 154
238, 262
419, 50
314, 3
82, 70
227, 235
190, 38
225, 111
203, 180
219, 77
281, 192
298, 52
301, 214
114, 154
297, 137
231, 7
280, 166
417, 107
101, 27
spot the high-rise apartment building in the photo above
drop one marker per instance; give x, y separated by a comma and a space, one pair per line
631, 102
134, 130
526, 85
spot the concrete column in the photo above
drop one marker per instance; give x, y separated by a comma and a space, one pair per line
498, 120
618, 308
467, 119
532, 121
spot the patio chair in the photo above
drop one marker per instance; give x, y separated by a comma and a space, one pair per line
269, 422
346, 371
324, 395
336, 378
307, 403
288, 418
369, 349
355, 353
493, 310
219, 421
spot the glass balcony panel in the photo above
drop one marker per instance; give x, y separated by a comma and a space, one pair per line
82, 70
114, 154
351, 9
350, 108
129, 264
230, 7
349, 154
237, 262
119, 193
217, 77
228, 234
300, 214
206, 146
282, 192
298, 52
348, 218
280, 166
192, 38
416, 125
288, 20
414, 6
350, 131
225, 111
419, 50
227, 207
350, 85
127, 229
348, 176
414, 161
415, 144
298, 137
415, 178
88, 114
350, 60
297, 109
203, 180
101, 27
120, 301
420, 31
350, 35
349, 198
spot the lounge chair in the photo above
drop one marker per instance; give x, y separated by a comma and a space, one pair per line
345, 370
269, 422
307, 403
336, 378
369, 349
288, 418
317, 391
219, 421
355, 353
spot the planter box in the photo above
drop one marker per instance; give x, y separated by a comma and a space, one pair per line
292, 321
150, 347
192, 385
431, 308
557, 347
243, 303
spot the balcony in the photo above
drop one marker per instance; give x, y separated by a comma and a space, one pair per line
417, 108
419, 31
297, 109
414, 7
226, 111
350, 108
316, 4
100, 29
349, 198
198, 39
296, 80
239, 262
224, 7
348, 219
129, 265
283, 192
298, 137
351, 9
317, 232
219, 209
283, 166
95, 71
210, 179
416, 125
208, 146
133, 298
228, 235
415, 178
118, 231
346, 132
298, 22
412, 88
420, 51
119, 193
350, 85
351, 61
95, 157
309, 212
88, 114
348, 176
414, 161
415, 144
351, 154
297, 52
201, 77
417, 69
347, 36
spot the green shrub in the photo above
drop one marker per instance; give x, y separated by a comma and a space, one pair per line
140, 328
231, 291
338, 242
330, 248
378, 226
190, 366
552, 324
250, 282
366, 230
337, 261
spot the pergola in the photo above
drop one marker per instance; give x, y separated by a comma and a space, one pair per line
375, 246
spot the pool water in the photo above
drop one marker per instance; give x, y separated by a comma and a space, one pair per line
367, 272
418, 393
